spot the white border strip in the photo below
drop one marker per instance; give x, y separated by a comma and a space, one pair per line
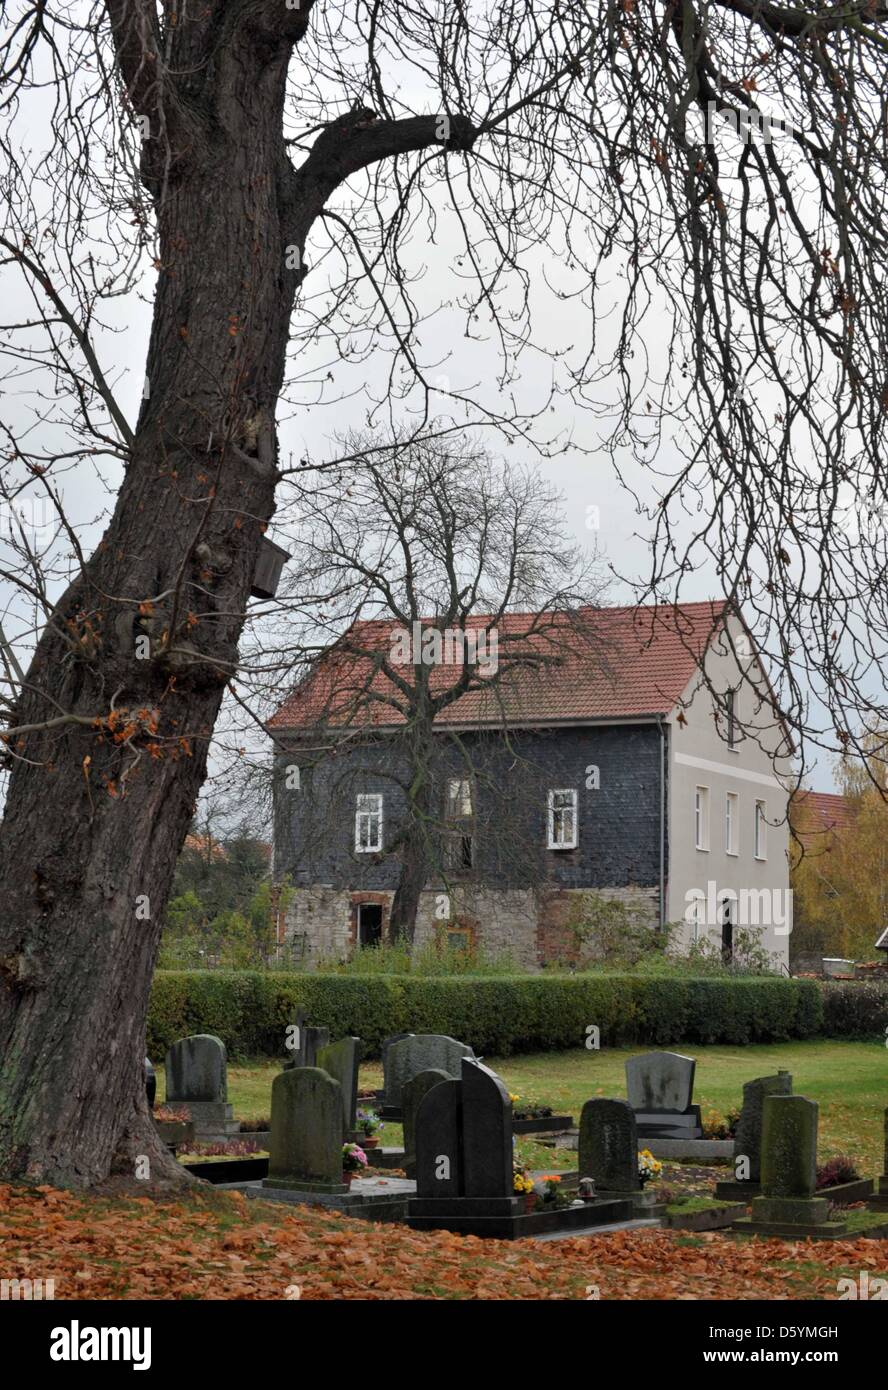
728, 770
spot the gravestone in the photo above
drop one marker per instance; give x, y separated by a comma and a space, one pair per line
464, 1176
439, 1141
748, 1139
150, 1083
412, 1093
305, 1148
788, 1205
608, 1146
880, 1201
309, 1041
420, 1052
487, 1132
341, 1061
387, 1043
660, 1087
197, 1080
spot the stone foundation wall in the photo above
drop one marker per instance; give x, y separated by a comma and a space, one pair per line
528, 925
556, 940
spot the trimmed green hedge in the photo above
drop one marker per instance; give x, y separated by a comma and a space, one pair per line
498, 1015
855, 1009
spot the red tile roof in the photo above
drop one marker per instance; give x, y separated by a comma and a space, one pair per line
821, 813
601, 663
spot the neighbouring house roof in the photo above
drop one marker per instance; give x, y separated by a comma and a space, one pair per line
205, 845
603, 663
822, 814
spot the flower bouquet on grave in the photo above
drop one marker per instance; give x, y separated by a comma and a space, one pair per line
648, 1167
354, 1161
368, 1125
522, 1186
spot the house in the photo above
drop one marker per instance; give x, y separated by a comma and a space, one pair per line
820, 818
645, 764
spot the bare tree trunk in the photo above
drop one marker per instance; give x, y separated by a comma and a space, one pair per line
97, 814
418, 823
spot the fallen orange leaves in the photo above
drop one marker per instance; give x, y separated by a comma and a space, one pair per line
220, 1246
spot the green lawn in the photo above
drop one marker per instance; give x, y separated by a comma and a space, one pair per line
849, 1080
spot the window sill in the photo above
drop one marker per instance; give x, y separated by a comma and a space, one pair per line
702, 849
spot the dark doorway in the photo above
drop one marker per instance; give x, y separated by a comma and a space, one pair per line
369, 924
727, 916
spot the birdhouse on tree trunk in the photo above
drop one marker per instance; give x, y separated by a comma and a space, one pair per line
269, 564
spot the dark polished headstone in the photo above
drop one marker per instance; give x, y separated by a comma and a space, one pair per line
150, 1083
412, 1093
439, 1163
487, 1132
608, 1145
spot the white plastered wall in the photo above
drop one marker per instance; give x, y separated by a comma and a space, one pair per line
699, 756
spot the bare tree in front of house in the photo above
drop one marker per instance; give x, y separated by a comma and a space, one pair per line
230, 161
447, 584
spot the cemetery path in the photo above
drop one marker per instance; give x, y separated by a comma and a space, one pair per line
219, 1246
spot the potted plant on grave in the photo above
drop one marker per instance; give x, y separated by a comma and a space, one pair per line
368, 1126
354, 1161
522, 1186
550, 1194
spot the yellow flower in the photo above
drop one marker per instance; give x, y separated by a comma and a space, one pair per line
513, 1099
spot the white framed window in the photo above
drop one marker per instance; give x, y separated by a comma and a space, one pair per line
368, 823
563, 818
732, 802
760, 842
459, 850
701, 817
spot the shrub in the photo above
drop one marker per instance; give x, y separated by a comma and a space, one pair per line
836, 1171
854, 1010
498, 1015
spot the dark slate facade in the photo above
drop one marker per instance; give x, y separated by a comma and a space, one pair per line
619, 822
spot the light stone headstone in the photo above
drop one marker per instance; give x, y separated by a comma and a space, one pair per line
608, 1145
196, 1069
789, 1165
341, 1060
748, 1139
421, 1052
305, 1147
197, 1079
660, 1081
